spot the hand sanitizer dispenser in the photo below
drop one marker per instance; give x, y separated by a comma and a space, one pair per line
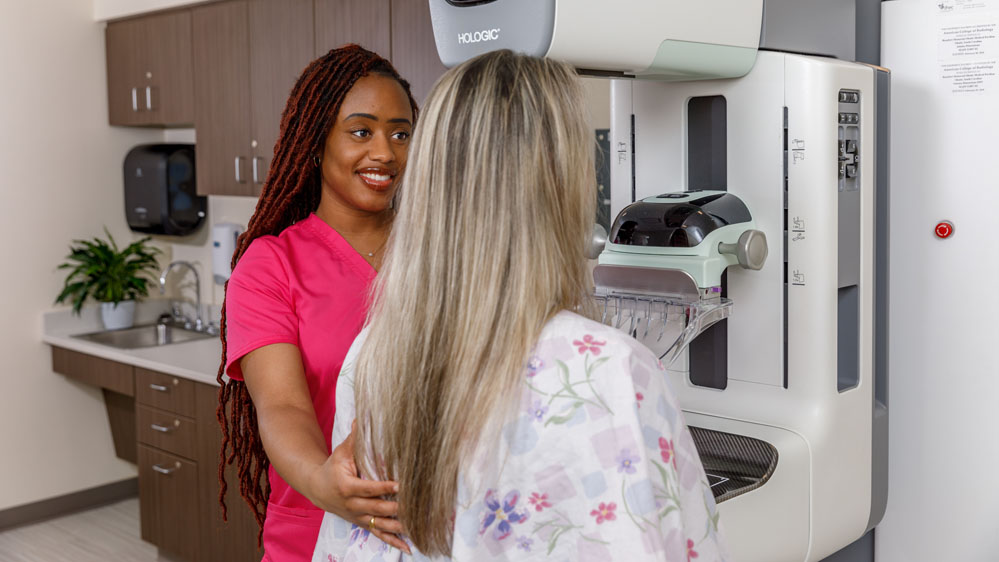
224, 236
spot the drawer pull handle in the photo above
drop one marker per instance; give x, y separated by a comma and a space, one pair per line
161, 428
159, 387
164, 470
135, 99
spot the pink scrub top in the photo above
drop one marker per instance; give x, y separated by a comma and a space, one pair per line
308, 287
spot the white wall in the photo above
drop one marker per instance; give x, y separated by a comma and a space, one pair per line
60, 180
111, 9
944, 424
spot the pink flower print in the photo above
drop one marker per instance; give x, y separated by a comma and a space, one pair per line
537, 410
604, 512
504, 512
588, 344
534, 364
638, 398
626, 461
539, 501
667, 451
691, 553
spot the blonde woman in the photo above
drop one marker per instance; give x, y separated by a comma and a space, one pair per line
516, 427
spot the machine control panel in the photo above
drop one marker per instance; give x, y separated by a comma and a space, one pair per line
849, 139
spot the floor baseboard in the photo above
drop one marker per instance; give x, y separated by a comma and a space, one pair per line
69, 503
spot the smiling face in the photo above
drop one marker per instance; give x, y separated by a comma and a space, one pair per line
365, 151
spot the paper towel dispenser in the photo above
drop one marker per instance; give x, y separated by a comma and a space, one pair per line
160, 190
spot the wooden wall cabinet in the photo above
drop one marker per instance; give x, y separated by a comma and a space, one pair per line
228, 68
149, 71
247, 55
400, 30
364, 22
414, 51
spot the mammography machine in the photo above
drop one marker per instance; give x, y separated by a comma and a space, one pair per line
751, 195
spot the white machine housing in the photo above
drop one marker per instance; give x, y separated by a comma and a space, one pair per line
801, 357
665, 39
785, 337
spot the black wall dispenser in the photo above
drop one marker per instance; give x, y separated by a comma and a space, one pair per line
160, 190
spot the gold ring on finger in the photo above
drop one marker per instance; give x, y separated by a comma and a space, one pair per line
371, 524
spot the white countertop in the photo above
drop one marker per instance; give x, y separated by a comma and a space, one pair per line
196, 360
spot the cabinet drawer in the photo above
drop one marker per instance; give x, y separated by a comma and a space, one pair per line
92, 370
167, 431
165, 392
168, 502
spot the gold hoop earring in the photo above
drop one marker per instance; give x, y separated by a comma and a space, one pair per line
317, 160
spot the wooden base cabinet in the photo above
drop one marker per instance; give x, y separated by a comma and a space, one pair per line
168, 502
170, 431
236, 539
179, 441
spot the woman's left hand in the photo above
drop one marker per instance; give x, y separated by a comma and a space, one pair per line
359, 501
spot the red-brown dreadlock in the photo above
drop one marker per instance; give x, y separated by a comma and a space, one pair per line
290, 193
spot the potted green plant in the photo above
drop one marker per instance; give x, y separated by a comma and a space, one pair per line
114, 277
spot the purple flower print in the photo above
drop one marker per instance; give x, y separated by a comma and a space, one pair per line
361, 535
505, 513
524, 543
588, 344
538, 410
358, 535
626, 461
534, 364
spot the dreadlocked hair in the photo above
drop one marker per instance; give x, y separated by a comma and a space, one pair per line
290, 193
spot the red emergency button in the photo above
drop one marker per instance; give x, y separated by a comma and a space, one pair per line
944, 229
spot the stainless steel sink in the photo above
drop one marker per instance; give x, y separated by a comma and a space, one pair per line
150, 335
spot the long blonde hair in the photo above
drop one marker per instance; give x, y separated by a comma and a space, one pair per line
496, 209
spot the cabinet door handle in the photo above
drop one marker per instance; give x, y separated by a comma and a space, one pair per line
166, 470
149, 98
135, 99
239, 169
161, 428
159, 387
256, 170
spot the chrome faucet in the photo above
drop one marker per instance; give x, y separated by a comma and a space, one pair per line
198, 323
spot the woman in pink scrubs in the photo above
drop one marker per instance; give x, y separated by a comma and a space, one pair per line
298, 296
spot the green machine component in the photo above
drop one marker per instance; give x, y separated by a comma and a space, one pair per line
700, 233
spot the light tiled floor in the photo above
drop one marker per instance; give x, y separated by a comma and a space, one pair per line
104, 534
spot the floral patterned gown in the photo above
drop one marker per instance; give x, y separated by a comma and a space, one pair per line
598, 464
